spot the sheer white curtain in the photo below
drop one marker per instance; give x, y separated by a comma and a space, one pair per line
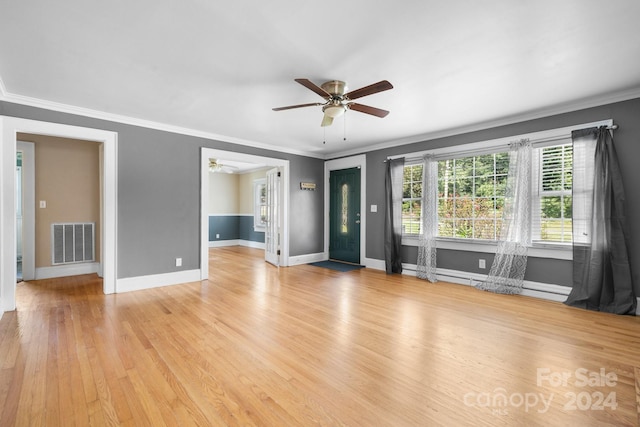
507, 271
427, 244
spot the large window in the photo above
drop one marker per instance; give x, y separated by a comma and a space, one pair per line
471, 194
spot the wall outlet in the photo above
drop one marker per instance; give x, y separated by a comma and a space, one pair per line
217, 236
482, 264
178, 262
43, 204
374, 208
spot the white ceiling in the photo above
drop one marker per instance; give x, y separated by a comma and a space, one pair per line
217, 68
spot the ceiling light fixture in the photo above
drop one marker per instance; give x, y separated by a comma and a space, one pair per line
334, 110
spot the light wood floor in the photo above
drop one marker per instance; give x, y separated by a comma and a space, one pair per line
299, 346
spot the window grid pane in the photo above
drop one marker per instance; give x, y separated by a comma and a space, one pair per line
412, 200
556, 164
471, 196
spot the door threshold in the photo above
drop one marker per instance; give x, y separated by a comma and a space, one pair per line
345, 262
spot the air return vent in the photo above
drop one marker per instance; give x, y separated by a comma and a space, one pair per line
72, 243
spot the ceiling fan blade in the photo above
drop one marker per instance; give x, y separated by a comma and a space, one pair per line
312, 86
314, 104
326, 120
369, 90
368, 110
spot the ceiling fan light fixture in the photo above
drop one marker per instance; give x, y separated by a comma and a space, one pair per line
214, 166
338, 100
334, 110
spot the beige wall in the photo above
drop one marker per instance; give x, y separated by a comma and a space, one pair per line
232, 194
245, 193
223, 193
67, 177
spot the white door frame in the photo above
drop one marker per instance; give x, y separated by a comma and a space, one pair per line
211, 153
359, 161
29, 210
9, 129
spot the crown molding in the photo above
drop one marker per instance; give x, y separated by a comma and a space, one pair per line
96, 114
582, 104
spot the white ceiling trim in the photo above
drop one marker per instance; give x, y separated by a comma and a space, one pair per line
545, 112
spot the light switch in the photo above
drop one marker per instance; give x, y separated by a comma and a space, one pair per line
43, 204
374, 208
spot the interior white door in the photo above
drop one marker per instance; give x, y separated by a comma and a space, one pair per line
272, 232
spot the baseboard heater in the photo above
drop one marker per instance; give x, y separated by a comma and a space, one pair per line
72, 242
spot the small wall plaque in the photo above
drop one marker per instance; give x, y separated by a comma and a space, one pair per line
308, 186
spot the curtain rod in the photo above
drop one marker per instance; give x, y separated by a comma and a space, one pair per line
539, 141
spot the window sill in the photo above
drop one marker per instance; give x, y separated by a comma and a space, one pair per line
537, 250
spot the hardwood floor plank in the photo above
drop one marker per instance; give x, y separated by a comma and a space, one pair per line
257, 345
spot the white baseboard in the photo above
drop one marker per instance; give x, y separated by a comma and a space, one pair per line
236, 242
67, 270
306, 259
252, 244
376, 264
157, 280
532, 289
223, 243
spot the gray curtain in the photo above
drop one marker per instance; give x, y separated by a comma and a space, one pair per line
602, 279
393, 216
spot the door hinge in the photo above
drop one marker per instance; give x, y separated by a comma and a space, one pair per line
278, 252
278, 174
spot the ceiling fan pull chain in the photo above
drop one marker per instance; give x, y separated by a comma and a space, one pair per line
324, 137
344, 132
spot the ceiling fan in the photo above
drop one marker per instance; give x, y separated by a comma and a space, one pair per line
337, 101
215, 166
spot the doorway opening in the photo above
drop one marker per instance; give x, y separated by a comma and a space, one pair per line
11, 126
66, 180
255, 216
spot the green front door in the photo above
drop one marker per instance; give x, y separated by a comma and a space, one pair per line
344, 215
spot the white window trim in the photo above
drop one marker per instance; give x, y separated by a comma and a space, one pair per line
538, 140
536, 250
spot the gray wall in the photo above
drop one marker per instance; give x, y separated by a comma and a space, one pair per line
159, 194
627, 143
158, 191
233, 227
